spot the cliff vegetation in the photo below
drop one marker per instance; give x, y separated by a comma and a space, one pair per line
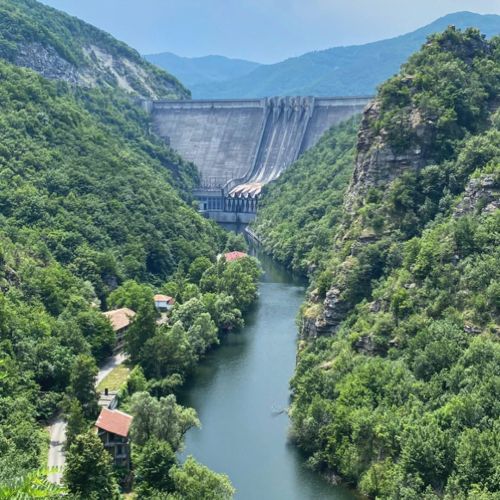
396, 387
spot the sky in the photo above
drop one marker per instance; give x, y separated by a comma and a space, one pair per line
264, 31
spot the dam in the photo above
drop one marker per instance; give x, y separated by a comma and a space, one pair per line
239, 146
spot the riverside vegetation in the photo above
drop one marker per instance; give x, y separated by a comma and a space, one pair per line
95, 213
396, 388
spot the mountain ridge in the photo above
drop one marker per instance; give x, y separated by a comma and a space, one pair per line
340, 71
397, 223
196, 70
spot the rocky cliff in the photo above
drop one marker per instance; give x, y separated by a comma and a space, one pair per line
406, 173
62, 47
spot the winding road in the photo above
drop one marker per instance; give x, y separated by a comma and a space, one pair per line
56, 457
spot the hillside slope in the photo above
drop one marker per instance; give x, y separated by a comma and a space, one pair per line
396, 386
200, 70
62, 47
340, 71
86, 202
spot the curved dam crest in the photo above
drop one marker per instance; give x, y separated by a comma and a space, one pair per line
240, 145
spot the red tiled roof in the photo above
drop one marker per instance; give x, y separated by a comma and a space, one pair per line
230, 256
114, 421
120, 318
164, 298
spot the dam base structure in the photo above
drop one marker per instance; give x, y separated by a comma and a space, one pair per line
241, 145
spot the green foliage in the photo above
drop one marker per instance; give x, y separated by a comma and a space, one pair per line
88, 200
88, 472
451, 83
142, 329
193, 481
152, 465
26, 22
210, 300
402, 400
27, 486
75, 422
82, 384
160, 419
130, 294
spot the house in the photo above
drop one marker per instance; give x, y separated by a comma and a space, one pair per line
120, 320
164, 302
113, 428
231, 256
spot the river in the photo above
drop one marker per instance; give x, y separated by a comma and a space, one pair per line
240, 391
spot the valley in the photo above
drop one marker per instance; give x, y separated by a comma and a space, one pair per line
339, 338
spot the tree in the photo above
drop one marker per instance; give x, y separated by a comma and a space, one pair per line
223, 311
88, 471
194, 481
130, 294
202, 334
188, 312
197, 268
169, 351
235, 242
161, 419
142, 329
32, 484
136, 381
98, 332
76, 423
82, 384
152, 465
239, 279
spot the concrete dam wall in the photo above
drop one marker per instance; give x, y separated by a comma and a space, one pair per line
240, 145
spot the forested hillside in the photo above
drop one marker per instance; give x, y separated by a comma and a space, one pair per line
397, 384
62, 47
339, 71
87, 200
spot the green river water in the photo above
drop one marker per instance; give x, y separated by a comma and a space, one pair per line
240, 392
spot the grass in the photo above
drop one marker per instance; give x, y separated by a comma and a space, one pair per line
44, 449
115, 379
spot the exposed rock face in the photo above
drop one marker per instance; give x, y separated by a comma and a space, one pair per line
99, 68
47, 62
376, 163
328, 318
481, 195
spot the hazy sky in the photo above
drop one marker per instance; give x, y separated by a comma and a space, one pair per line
260, 30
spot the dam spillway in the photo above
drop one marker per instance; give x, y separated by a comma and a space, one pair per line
240, 145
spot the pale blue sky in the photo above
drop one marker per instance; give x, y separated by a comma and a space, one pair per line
260, 30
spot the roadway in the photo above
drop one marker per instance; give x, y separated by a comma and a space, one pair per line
56, 458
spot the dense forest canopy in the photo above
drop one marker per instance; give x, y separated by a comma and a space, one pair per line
88, 200
397, 384
96, 214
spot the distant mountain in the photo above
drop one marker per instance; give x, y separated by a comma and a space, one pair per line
193, 71
352, 70
62, 47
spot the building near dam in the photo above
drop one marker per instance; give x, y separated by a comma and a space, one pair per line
241, 145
